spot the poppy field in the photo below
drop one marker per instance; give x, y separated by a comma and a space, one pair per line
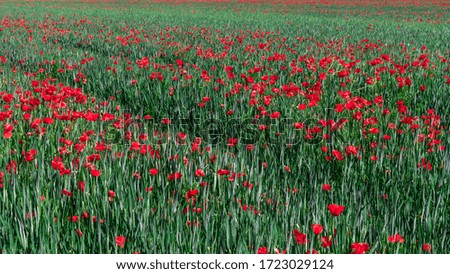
224, 127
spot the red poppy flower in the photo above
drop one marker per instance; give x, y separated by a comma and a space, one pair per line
232, 142
93, 158
48, 121
120, 241
326, 187
111, 194
79, 233
275, 115
337, 154
222, 172
12, 167
343, 73
153, 171
300, 238
326, 241
95, 173
147, 189
179, 62
135, 146
397, 238
173, 176
91, 117
73, 218
317, 228
191, 193
298, 125
2, 177
199, 173
81, 186
7, 131
29, 155
108, 117
427, 248
65, 192
359, 248
262, 250
351, 150
181, 136
335, 209
7, 98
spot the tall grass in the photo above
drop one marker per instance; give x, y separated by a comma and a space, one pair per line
220, 73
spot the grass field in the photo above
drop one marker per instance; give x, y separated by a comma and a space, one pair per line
224, 127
